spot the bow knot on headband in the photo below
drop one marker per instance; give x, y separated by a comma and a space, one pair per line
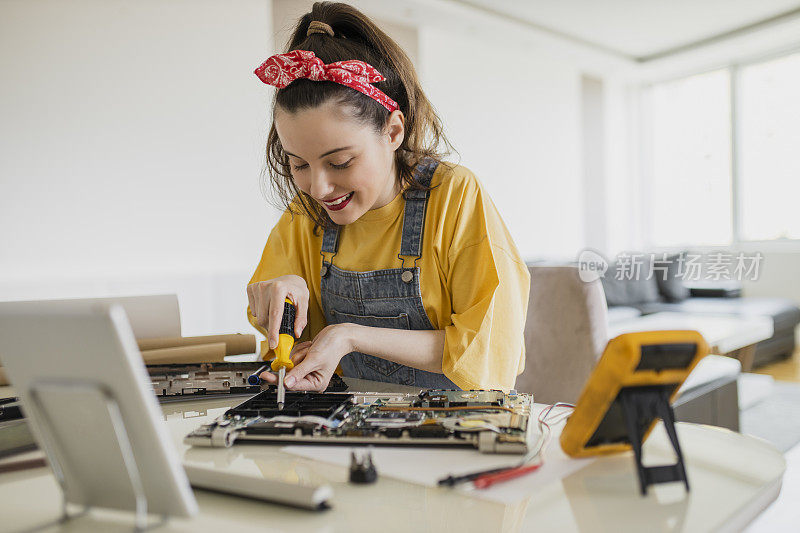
282, 69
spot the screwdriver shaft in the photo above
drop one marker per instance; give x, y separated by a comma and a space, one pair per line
281, 388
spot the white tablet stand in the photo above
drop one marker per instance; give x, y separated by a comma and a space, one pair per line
122, 445
90, 404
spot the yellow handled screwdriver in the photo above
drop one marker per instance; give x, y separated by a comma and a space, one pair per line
283, 361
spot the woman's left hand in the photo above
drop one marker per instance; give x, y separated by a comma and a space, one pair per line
315, 362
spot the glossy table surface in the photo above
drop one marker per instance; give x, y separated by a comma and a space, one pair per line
733, 478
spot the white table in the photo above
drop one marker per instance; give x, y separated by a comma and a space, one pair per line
731, 335
733, 478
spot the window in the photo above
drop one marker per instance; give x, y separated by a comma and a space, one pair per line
689, 197
769, 149
691, 179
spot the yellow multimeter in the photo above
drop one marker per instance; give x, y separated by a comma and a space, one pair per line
632, 386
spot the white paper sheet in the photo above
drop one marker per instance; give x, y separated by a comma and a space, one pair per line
426, 466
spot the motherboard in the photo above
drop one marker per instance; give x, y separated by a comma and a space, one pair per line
490, 420
179, 381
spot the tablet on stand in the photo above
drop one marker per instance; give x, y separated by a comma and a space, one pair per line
77, 369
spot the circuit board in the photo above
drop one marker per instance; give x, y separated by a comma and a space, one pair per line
491, 421
175, 382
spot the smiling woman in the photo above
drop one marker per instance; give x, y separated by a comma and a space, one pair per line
346, 180
414, 278
406, 131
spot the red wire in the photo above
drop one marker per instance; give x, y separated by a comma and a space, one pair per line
488, 480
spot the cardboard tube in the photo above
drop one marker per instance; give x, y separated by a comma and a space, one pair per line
200, 353
235, 343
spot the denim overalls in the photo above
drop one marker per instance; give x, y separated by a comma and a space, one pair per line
389, 298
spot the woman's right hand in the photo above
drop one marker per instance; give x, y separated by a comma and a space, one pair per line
266, 300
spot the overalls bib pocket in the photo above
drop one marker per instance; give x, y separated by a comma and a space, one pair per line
375, 367
394, 322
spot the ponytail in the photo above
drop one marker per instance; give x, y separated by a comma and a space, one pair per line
355, 36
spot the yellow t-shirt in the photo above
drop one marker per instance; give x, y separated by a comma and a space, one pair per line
474, 283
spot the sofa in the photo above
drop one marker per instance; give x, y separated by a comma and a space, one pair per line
566, 331
666, 291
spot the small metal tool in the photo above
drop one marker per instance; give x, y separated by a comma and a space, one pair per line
281, 387
283, 360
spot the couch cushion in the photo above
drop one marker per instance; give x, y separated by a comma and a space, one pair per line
784, 312
622, 312
711, 368
715, 289
670, 279
638, 290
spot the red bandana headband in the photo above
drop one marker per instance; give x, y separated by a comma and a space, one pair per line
282, 69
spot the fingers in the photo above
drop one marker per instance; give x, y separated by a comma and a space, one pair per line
298, 358
262, 303
299, 372
306, 374
301, 346
310, 383
269, 377
300, 351
301, 317
266, 302
276, 300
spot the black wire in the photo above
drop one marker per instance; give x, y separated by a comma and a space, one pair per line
453, 480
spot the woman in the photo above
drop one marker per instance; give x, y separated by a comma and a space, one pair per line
399, 265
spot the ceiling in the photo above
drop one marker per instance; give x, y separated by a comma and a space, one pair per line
642, 29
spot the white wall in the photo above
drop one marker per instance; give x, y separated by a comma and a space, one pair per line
510, 99
516, 128
133, 133
131, 144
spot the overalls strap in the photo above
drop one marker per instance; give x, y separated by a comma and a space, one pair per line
330, 239
414, 215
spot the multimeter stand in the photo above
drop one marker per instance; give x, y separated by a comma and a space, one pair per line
640, 405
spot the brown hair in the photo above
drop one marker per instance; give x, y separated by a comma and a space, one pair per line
355, 37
